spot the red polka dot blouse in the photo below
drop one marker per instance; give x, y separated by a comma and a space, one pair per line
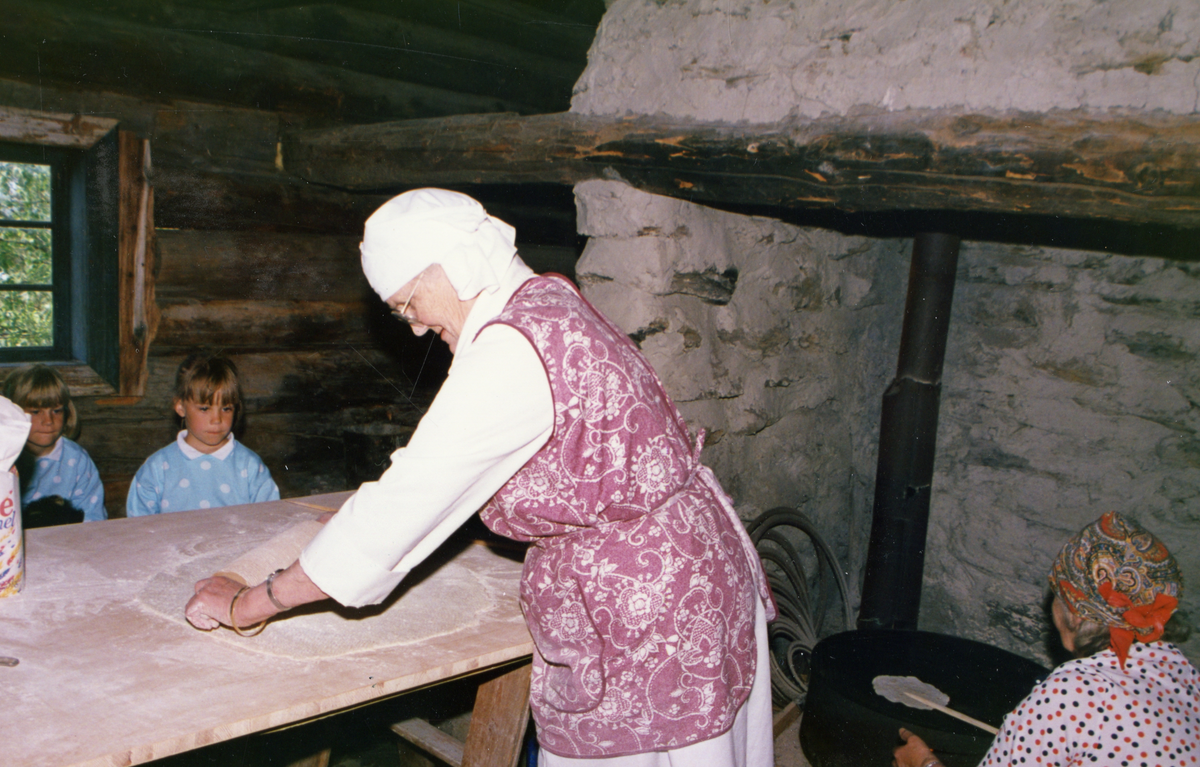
1089, 711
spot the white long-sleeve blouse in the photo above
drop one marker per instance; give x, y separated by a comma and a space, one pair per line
491, 415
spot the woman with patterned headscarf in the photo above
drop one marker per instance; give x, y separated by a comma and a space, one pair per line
1129, 697
641, 589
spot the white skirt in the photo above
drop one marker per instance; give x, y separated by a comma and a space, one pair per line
748, 743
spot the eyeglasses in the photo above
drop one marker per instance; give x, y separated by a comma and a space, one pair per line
401, 314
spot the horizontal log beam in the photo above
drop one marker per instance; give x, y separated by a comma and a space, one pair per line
1142, 168
240, 327
42, 42
71, 131
380, 45
259, 266
187, 198
523, 25
209, 199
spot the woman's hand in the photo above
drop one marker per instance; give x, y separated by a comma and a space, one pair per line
209, 608
914, 752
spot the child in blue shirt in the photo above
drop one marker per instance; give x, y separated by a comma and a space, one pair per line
59, 482
205, 466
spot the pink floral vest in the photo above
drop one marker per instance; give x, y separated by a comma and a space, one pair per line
640, 586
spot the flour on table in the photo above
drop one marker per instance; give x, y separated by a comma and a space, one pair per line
447, 601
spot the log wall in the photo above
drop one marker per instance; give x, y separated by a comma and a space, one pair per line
316, 350
265, 268
318, 353
265, 271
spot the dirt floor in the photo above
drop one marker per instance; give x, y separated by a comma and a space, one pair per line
787, 748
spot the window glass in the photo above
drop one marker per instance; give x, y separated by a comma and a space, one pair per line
59, 253
26, 256
24, 191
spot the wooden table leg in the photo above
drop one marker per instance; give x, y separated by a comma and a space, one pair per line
320, 759
499, 720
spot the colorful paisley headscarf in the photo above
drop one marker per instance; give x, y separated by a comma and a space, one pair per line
1117, 574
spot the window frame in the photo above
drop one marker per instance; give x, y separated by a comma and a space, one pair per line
110, 231
61, 162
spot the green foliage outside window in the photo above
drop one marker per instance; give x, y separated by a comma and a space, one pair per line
26, 312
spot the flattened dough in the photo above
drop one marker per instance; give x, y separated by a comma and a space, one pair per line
413, 614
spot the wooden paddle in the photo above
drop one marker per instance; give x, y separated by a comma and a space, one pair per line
910, 691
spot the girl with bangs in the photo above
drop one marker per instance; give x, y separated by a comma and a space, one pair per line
59, 481
205, 467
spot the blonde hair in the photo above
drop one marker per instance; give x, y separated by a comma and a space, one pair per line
208, 378
40, 386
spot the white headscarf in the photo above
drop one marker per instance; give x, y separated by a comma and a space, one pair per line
422, 227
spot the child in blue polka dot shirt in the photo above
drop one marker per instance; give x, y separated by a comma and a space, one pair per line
205, 466
59, 482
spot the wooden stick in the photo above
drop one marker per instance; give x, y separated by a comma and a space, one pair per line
952, 712
785, 718
310, 505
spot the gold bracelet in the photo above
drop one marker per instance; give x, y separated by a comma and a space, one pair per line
253, 630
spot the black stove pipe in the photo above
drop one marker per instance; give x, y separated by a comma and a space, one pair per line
891, 597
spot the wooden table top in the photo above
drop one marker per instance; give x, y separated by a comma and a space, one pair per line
103, 681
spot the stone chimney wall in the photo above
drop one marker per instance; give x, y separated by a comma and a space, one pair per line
1072, 384
776, 340
764, 60
1072, 387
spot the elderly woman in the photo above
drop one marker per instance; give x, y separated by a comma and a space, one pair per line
1129, 698
641, 589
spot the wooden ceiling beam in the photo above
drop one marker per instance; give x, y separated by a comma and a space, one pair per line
73, 131
1142, 168
187, 198
375, 44
44, 42
193, 198
521, 25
